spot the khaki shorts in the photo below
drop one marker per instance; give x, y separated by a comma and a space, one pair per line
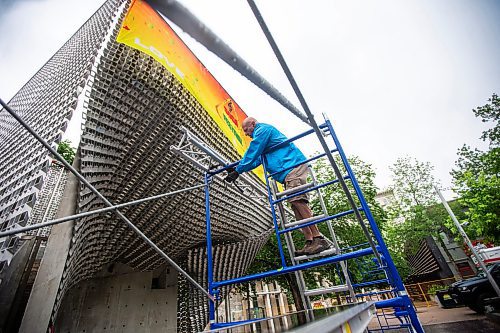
297, 177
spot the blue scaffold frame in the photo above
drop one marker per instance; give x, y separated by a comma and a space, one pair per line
401, 303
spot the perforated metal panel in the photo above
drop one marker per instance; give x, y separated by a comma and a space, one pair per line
46, 102
133, 113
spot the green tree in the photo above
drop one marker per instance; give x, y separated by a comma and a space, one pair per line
412, 186
490, 113
66, 151
476, 177
410, 218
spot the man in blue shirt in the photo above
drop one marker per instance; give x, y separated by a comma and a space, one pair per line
263, 137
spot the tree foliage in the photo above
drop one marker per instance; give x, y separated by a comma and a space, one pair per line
476, 177
413, 185
66, 151
411, 219
490, 113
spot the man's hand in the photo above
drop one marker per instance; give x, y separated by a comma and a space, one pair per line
232, 175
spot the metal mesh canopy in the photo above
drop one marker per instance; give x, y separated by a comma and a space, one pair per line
133, 112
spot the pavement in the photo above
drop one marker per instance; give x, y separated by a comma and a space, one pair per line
438, 320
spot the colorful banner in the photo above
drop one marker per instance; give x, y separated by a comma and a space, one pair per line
144, 30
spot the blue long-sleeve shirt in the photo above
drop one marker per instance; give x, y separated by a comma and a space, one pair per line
265, 136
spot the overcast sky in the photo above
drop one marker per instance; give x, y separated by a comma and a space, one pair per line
397, 78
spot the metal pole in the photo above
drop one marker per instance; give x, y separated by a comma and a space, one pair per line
313, 124
467, 240
97, 211
210, 269
106, 201
273, 212
306, 302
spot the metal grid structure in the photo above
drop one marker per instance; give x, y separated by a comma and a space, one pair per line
47, 101
46, 206
134, 110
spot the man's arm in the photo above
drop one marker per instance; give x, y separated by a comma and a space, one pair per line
251, 158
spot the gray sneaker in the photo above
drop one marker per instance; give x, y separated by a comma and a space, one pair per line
318, 245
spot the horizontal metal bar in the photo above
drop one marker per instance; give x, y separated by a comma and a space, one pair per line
289, 269
376, 292
299, 222
224, 168
294, 138
233, 323
295, 189
331, 251
331, 217
251, 321
317, 187
401, 313
354, 246
322, 291
390, 303
353, 319
97, 211
369, 283
234, 164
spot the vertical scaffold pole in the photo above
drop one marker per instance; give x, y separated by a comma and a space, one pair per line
395, 278
273, 211
210, 278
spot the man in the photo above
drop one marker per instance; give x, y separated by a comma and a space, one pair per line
264, 136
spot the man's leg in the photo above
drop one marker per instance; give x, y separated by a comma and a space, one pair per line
315, 243
302, 211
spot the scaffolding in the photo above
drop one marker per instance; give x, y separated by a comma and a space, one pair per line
380, 269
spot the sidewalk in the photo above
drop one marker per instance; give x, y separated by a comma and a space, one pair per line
437, 315
438, 320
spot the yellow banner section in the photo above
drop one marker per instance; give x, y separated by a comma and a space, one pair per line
144, 30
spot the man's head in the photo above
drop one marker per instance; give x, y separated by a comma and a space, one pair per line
248, 125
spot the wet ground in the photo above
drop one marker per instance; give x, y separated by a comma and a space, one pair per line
463, 320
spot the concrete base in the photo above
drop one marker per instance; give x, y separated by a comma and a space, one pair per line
43, 295
130, 302
10, 279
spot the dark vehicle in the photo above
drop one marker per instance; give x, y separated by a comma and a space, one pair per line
472, 292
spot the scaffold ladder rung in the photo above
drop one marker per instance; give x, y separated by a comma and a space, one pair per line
294, 190
327, 290
329, 252
303, 221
